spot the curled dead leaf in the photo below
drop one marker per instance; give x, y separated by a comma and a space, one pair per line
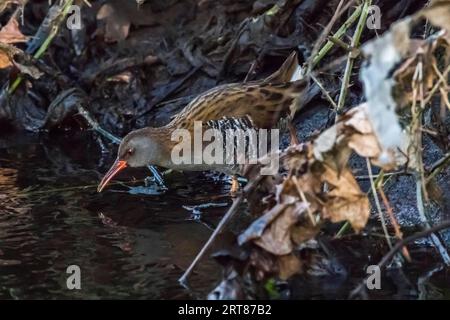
345, 201
272, 231
10, 32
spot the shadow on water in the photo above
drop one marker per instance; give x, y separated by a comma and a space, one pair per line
127, 245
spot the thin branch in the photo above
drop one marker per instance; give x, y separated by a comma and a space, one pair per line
324, 91
387, 257
339, 33
94, 124
54, 28
438, 166
377, 203
116, 140
337, 13
423, 219
351, 56
398, 232
437, 85
226, 218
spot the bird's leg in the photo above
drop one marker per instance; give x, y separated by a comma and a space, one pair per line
234, 186
293, 134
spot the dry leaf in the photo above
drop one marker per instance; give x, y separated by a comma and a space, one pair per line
359, 120
4, 60
345, 201
365, 145
276, 239
257, 228
6, 53
355, 210
272, 230
438, 13
30, 70
325, 142
117, 24
289, 265
10, 33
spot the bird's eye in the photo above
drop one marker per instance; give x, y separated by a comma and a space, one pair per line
130, 151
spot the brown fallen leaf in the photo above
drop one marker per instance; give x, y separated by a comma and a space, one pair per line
359, 120
6, 53
438, 13
345, 201
119, 15
276, 238
289, 265
10, 32
365, 145
257, 228
4, 60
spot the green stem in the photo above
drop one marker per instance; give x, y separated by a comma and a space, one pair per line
351, 57
44, 46
339, 33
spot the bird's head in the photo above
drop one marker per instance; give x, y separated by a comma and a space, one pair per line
139, 148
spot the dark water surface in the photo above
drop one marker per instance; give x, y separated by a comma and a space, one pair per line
134, 245
127, 246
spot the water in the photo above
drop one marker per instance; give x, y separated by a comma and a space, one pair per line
127, 245
133, 242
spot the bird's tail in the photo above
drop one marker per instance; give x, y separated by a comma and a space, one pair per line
286, 72
290, 76
308, 90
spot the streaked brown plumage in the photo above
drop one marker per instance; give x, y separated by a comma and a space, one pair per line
264, 102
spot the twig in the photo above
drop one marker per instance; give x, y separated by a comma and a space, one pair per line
377, 203
339, 33
351, 56
94, 124
387, 257
303, 197
226, 218
398, 232
438, 166
341, 44
437, 85
326, 31
44, 46
387, 174
423, 219
324, 91
421, 192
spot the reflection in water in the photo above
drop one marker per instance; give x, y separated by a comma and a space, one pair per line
127, 245
135, 242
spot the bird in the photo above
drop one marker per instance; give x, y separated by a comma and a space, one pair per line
262, 104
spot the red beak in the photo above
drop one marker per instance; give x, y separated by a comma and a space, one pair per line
115, 168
